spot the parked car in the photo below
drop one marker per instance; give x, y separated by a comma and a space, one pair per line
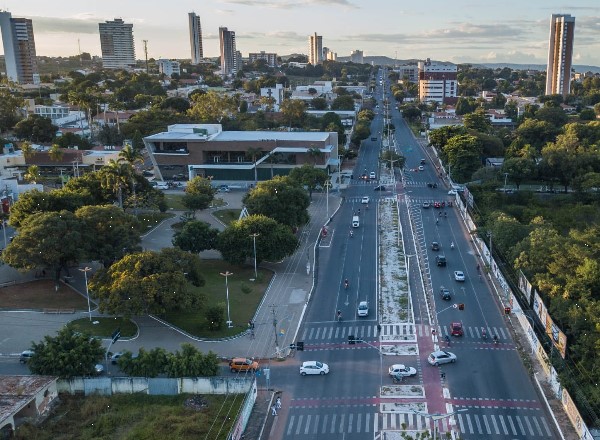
224, 188
243, 364
26, 355
314, 367
459, 275
161, 185
445, 294
456, 329
363, 309
441, 357
421, 168
402, 370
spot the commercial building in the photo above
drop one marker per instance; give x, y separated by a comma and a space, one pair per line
116, 43
19, 49
270, 58
206, 150
315, 49
409, 72
169, 67
437, 82
560, 54
356, 56
229, 59
195, 38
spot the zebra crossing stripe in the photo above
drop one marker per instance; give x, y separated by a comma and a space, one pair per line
477, 422
350, 419
529, 425
520, 424
512, 425
307, 428
330, 332
332, 429
503, 424
300, 418
487, 425
324, 429
316, 427
342, 422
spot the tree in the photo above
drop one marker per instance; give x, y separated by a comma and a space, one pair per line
389, 157
191, 362
344, 102
116, 177
519, 169
180, 105
66, 355
33, 174
48, 240
281, 199
195, 237
146, 364
319, 103
199, 193
309, 177
275, 241
36, 128
212, 107
411, 113
110, 232
463, 154
293, 111
477, 121
440, 136
149, 282
553, 115
55, 153
27, 149
68, 140
9, 109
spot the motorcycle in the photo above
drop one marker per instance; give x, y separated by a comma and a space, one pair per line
452, 245
351, 234
483, 333
346, 284
495, 339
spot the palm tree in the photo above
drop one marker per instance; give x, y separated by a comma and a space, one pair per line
116, 176
133, 157
33, 174
314, 153
55, 153
253, 153
27, 149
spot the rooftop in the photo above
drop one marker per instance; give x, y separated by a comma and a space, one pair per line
17, 391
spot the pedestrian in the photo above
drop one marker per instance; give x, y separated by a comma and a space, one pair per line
278, 403
274, 410
378, 328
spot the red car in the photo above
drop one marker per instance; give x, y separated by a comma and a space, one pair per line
456, 329
437, 205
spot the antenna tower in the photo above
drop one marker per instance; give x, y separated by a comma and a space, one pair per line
146, 53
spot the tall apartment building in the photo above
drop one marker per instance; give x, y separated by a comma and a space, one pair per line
19, 49
437, 82
560, 54
356, 56
315, 49
116, 43
229, 60
270, 58
195, 38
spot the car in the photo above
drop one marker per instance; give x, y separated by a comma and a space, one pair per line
452, 192
426, 205
456, 329
364, 176
423, 162
363, 309
243, 364
161, 185
26, 355
445, 294
314, 367
224, 189
402, 370
421, 168
435, 246
372, 175
373, 139
380, 188
441, 357
440, 260
365, 200
98, 369
115, 357
459, 275
437, 205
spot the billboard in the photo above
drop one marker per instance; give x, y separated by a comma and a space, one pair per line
558, 338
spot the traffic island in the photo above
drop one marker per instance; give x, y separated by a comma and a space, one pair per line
402, 391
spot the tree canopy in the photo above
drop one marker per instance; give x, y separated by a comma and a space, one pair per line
196, 236
199, 194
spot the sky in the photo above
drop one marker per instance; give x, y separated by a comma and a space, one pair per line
460, 31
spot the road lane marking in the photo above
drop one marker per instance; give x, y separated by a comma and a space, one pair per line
332, 429
350, 420
291, 425
300, 418
548, 432
468, 417
478, 423
487, 425
495, 424
342, 418
503, 424
512, 425
324, 426
308, 417
520, 425
316, 428
529, 425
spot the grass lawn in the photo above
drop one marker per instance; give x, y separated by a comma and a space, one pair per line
137, 416
105, 326
41, 294
227, 215
242, 305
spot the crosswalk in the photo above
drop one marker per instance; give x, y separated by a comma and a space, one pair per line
318, 423
512, 424
334, 332
411, 422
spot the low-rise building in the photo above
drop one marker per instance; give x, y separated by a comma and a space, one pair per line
270, 58
169, 67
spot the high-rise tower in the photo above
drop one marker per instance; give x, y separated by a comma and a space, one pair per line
195, 38
116, 43
19, 49
315, 49
560, 54
228, 52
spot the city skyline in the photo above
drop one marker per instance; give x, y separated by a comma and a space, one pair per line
461, 31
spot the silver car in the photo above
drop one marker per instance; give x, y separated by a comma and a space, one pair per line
314, 367
441, 357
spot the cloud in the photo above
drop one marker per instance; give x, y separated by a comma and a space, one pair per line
82, 24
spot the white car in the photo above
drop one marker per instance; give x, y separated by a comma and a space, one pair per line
372, 175
363, 309
314, 367
452, 192
365, 200
441, 357
421, 168
459, 275
402, 370
161, 185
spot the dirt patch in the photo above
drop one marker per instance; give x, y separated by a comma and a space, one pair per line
40, 294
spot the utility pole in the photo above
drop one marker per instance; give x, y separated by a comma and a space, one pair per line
275, 329
146, 54
79, 48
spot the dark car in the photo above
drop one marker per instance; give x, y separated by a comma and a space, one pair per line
26, 356
380, 188
445, 294
435, 246
440, 260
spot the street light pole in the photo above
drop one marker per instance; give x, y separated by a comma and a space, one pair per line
327, 185
227, 274
256, 234
505, 177
85, 270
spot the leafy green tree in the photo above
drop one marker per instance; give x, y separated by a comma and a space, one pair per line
440, 136
465, 105
199, 193
391, 157
55, 153
180, 105
319, 103
191, 362
344, 102
68, 140
66, 355
309, 177
561, 160
293, 111
280, 199
275, 241
536, 133
519, 169
149, 282
36, 128
212, 107
146, 364
411, 113
90, 185
553, 115
27, 149
47, 240
215, 317
477, 121
195, 237
9, 109
110, 232
463, 154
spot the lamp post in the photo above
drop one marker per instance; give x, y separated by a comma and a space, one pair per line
256, 234
327, 185
85, 270
435, 417
505, 177
227, 274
